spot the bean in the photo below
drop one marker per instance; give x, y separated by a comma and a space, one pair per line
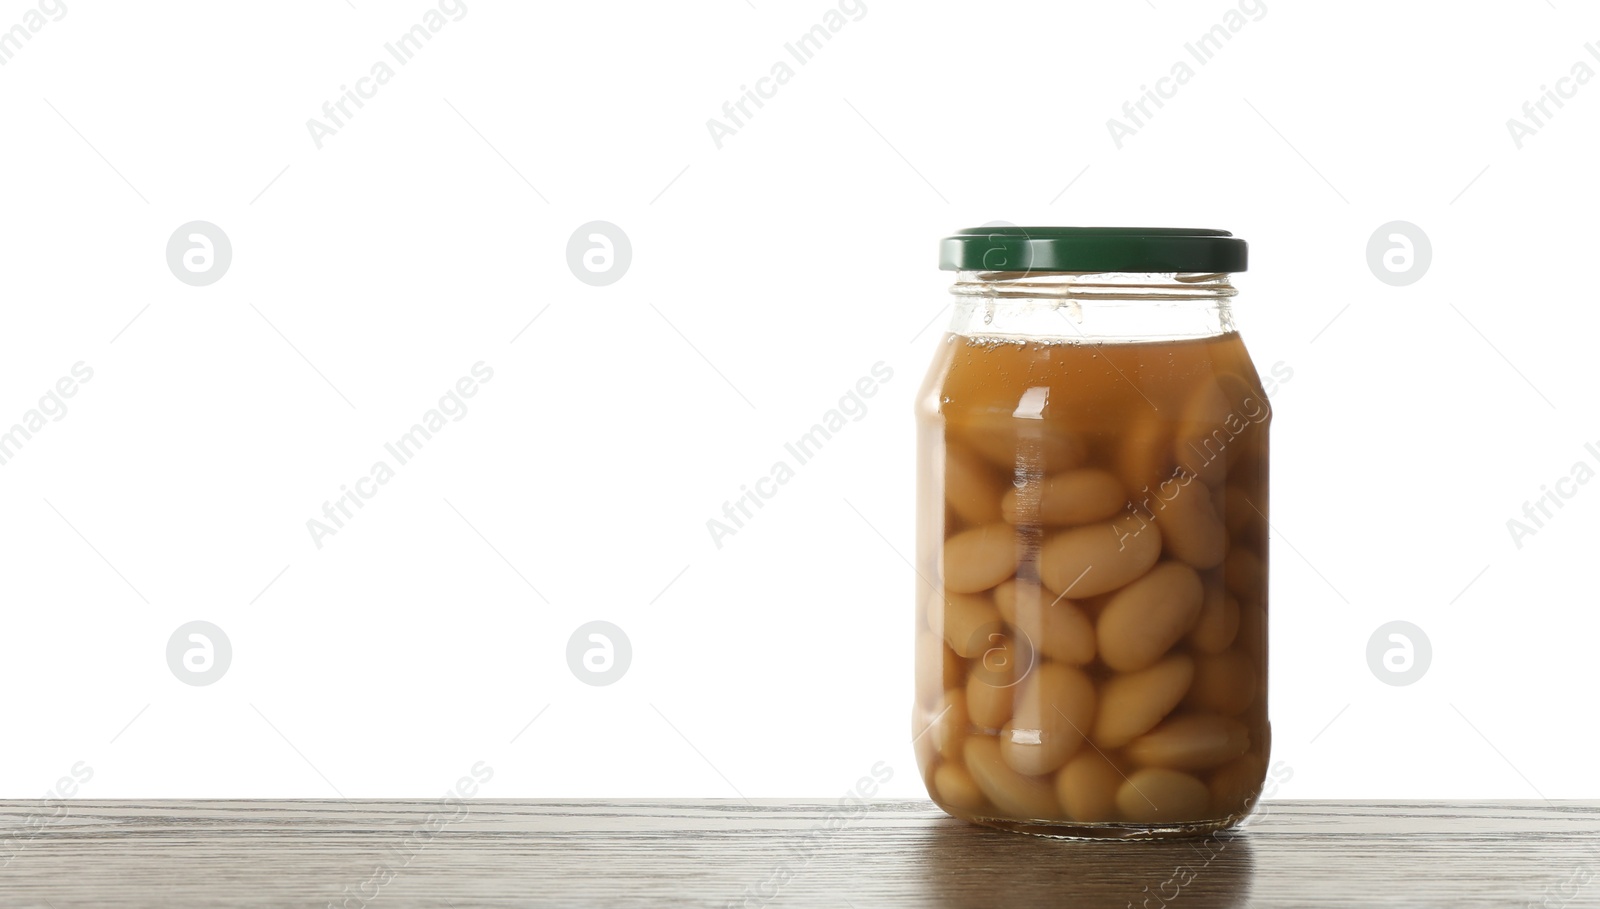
938, 667
969, 621
946, 728
1098, 558
1145, 618
1250, 465
971, 485
980, 558
957, 788
1016, 796
1235, 786
953, 523
1218, 623
1093, 606
1245, 575
1252, 637
1054, 709
1008, 592
1240, 514
1132, 703
1055, 625
1073, 497
989, 700
1034, 446
1144, 454
1156, 795
928, 763
1195, 741
1190, 527
1201, 442
1217, 426
1087, 787
1224, 682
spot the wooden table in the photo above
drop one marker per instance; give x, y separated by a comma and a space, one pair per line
395, 854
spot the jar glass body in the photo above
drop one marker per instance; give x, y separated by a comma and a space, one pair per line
1092, 557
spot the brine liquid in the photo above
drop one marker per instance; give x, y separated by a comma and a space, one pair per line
1092, 594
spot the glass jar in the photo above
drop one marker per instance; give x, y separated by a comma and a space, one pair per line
1092, 537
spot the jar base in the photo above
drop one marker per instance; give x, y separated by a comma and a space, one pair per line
1113, 830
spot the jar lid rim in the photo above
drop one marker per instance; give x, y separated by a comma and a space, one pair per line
1008, 247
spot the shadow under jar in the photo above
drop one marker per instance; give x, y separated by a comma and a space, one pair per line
1092, 537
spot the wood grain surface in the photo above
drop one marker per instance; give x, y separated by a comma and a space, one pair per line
395, 854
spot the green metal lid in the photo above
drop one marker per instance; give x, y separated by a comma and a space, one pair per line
1129, 249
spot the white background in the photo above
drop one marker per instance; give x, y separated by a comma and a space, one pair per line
767, 277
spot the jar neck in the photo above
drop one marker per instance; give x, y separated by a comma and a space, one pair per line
1099, 307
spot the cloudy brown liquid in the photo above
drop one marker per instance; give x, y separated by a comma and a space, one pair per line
1092, 601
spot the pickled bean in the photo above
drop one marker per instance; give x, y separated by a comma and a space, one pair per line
972, 486
1055, 625
1239, 513
1244, 574
1053, 712
1017, 795
1098, 558
1156, 795
957, 788
1006, 442
1200, 447
948, 727
1218, 623
1074, 497
1191, 530
1224, 682
969, 620
1145, 618
1216, 426
1132, 703
1234, 785
1087, 787
1144, 455
980, 558
938, 663
1195, 741
989, 699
